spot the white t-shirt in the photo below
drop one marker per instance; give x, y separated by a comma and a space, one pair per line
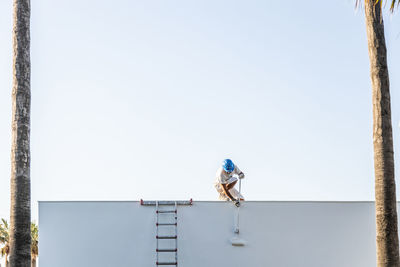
222, 177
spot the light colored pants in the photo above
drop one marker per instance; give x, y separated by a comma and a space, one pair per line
223, 196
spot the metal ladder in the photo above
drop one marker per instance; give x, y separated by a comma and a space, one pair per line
166, 252
174, 236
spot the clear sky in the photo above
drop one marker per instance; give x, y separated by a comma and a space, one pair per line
144, 99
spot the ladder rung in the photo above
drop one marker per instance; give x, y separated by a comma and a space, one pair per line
166, 263
167, 250
166, 211
163, 224
167, 237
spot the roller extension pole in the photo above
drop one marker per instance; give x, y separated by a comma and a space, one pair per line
235, 240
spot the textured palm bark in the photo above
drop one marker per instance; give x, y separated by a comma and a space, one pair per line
385, 188
20, 221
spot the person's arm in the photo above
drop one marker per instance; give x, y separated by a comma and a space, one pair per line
239, 172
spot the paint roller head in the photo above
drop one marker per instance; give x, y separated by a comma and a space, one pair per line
237, 242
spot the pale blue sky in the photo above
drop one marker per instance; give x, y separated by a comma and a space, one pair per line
144, 99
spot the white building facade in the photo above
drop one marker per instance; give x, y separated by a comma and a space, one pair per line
278, 234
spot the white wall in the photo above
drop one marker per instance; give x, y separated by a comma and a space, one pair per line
119, 234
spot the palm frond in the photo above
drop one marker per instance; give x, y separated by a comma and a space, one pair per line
4, 251
393, 4
4, 232
35, 240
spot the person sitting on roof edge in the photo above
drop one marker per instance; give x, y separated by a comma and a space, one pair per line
227, 177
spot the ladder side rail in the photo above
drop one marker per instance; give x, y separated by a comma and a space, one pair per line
176, 232
157, 231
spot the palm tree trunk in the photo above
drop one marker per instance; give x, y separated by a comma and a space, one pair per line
385, 189
20, 221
